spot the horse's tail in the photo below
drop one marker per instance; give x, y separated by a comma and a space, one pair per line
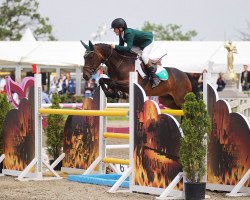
194, 83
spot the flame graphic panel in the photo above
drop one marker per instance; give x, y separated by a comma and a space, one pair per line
81, 136
19, 135
157, 143
228, 149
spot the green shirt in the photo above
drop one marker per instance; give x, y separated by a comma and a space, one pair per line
134, 37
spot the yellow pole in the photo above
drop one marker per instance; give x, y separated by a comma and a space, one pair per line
172, 112
106, 112
116, 135
116, 161
83, 112
163, 111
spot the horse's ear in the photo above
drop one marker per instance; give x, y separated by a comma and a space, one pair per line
85, 46
91, 46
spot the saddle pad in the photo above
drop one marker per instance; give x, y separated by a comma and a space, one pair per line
162, 73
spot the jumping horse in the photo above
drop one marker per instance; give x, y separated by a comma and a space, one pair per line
171, 92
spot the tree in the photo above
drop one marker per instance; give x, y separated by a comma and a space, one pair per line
168, 32
17, 15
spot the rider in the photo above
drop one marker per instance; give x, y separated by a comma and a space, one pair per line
136, 40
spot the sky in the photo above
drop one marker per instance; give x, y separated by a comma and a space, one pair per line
214, 20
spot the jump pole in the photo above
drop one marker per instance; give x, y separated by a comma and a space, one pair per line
102, 159
128, 172
38, 160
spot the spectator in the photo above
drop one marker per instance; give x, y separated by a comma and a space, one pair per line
68, 85
95, 85
89, 88
60, 83
53, 85
245, 78
220, 82
45, 97
2, 84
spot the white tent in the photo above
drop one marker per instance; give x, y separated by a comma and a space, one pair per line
56, 53
41, 53
189, 56
194, 56
12, 52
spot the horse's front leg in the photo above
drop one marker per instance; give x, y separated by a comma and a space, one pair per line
114, 89
105, 85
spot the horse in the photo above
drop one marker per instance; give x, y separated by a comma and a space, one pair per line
171, 92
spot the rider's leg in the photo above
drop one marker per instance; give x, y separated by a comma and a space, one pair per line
139, 68
150, 66
138, 62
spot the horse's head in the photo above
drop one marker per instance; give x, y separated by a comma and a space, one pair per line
92, 59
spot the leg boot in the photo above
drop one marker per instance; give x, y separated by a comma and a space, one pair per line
154, 79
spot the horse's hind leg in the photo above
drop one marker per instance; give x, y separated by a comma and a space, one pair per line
168, 101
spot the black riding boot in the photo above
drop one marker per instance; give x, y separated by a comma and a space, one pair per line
154, 79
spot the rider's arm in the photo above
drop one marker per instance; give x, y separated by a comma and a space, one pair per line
121, 41
129, 38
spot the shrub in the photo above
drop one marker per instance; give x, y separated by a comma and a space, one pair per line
195, 125
55, 130
4, 108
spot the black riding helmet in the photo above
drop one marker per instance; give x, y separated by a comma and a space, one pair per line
119, 23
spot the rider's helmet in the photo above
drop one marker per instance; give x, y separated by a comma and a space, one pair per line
119, 23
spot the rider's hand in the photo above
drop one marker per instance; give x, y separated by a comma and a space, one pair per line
113, 46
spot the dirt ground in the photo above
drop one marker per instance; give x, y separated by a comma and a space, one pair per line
11, 189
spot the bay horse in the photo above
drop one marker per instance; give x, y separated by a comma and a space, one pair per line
171, 92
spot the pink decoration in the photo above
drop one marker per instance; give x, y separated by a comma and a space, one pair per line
19, 89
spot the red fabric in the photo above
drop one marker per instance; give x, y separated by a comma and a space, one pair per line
33, 68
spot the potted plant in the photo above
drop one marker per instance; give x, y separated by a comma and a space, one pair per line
55, 131
4, 109
195, 125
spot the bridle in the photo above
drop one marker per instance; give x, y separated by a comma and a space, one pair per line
104, 60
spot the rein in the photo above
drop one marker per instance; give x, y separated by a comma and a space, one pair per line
105, 60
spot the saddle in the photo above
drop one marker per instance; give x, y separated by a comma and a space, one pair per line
156, 61
161, 72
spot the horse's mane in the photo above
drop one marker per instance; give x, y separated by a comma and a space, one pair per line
130, 55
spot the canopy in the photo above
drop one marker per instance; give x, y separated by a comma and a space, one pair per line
189, 56
195, 56
45, 53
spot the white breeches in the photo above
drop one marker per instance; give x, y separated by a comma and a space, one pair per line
145, 53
